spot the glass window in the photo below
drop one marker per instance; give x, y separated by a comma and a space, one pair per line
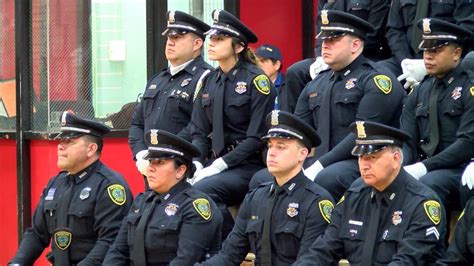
7, 65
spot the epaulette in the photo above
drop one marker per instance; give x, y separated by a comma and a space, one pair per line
109, 174
358, 185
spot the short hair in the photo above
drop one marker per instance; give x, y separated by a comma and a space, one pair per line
394, 148
190, 168
96, 140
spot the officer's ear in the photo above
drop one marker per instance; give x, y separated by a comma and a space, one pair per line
197, 42
356, 44
457, 53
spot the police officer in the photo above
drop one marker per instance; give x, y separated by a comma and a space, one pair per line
270, 60
168, 98
386, 217
280, 220
172, 223
229, 115
461, 249
352, 89
81, 208
439, 114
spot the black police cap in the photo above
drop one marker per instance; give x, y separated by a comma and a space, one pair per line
282, 124
335, 23
373, 137
268, 51
73, 126
163, 144
226, 23
437, 33
182, 23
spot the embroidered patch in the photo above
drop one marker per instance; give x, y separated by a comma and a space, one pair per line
433, 211
117, 194
461, 215
397, 217
456, 94
351, 83
62, 239
171, 209
384, 83
326, 207
292, 210
472, 90
341, 200
241, 87
203, 207
262, 83
85, 193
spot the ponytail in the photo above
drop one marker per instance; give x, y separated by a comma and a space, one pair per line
247, 54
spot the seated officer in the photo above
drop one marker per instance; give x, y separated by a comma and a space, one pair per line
172, 223
439, 114
81, 208
269, 59
386, 217
279, 220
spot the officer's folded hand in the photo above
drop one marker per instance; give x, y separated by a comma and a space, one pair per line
417, 170
140, 163
312, 171
316, 67
468, 176
414, 71
216, 167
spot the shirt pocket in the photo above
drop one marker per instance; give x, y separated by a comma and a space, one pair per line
442, 8
254, 231
163, 236
149, 99
408, 9
470, 241
178, 105
288, 235
388, 245
49, 210
353, 237
238, 110
131, 222
421, 115
359, 8
314, 104
81, 219
346, 108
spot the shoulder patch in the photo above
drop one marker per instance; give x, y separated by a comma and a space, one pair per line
471, 89
62, 239
262, 83
117, 194
341, 200
462, 214
203, 207
433, 211
384, 83
326, 207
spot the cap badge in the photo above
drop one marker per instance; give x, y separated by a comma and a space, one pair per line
456, 94
171, 209
426, 25
397, 217
292, 210
216, 16
275, 121
63, 119
154, 136
241, 87
171, 17
361, 130
324, 17
269, 49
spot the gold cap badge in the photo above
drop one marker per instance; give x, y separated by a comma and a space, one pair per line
324, 17
361, 130
275, 118
426, 25
171, 17
154, 136
216, 16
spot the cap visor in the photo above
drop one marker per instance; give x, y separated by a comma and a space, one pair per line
68, 135
328, 34
363, 149
153, 155
432, 44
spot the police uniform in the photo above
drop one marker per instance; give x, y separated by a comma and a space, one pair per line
301, 209
79, 213
445, 158
167, 102
335, 99
402, 225
297, 76
246, 95
179, 227
273, 53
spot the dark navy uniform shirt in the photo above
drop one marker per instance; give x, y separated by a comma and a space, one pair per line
356, 95
301, 213
411, 228
455, 120
100, 199
167, 104
245, 108
178, 232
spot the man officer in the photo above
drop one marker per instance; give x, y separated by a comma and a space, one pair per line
439, 114
386, 217
168, 98
81, 208
280, 220
270, 60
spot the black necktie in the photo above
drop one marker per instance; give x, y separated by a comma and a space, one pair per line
429, 148
218, 118
372, 230
139, 255
421, 12
266, 253
324, 119
61, 257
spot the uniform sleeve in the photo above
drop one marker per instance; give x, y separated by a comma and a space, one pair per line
464, 16
328, 248
236, 246
261, 104
108, 218
302, 109
136, 133
376, 16
397, 33
456, 153
35, 239
297, 76
200, 126
409, 125
197, 235
420, 242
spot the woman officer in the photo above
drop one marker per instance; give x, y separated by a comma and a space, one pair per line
172, 223
229, 115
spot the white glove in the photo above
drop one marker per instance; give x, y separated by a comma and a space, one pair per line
417, 170
414, 71
316, 67
312, 171
199, 167
468, 176
140, 163
216, 167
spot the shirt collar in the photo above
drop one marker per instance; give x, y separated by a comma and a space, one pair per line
180, 186
85, 173
393, 190
292, 184
451, 76
232, 73
279, 79
343, 73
